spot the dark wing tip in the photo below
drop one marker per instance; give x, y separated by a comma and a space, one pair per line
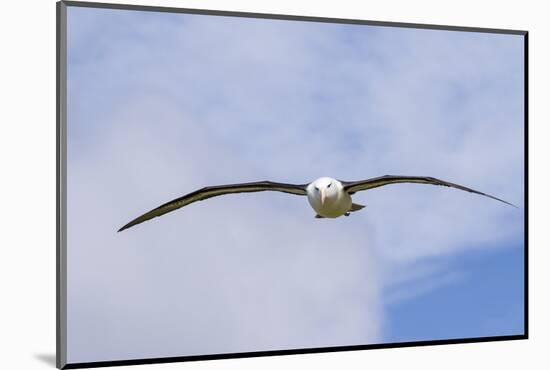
445, 183
500, 200
127, 226
136, 221
503, 201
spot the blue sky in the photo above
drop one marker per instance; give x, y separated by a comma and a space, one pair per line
162, 104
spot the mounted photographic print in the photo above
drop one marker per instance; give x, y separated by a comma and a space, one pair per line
236, 185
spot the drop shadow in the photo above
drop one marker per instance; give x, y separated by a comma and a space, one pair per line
47, 358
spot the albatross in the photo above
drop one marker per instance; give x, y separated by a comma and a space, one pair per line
329, 198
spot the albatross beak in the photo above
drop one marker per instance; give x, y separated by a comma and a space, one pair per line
323, 196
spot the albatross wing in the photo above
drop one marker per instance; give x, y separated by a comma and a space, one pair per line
214, 191
354, 186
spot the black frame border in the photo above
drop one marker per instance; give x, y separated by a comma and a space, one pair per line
61, 186
61, 171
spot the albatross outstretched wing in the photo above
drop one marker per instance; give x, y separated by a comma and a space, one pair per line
354, 186
214, 191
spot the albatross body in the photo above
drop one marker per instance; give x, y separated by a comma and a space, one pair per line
330, 198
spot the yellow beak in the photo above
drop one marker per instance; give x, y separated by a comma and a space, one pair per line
323, 196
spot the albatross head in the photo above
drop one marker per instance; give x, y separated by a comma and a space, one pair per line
323, 190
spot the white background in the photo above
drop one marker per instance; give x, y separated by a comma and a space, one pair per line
27, 155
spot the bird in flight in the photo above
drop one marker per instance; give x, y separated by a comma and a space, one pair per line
330, 198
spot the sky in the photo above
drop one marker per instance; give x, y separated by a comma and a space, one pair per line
162, 104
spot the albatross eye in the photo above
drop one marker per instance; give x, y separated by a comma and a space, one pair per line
328, 186
316, 188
